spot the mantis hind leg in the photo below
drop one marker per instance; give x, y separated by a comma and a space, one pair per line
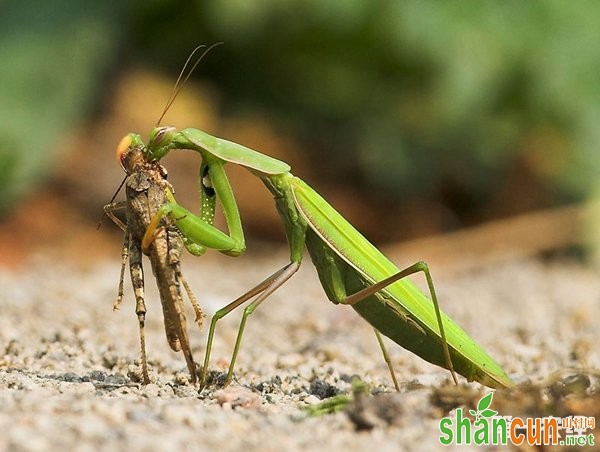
387, 359
415, 268
262, 291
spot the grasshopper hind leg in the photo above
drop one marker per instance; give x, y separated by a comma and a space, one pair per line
137, 280
124, 259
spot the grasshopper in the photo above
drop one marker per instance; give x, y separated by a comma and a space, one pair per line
146, 184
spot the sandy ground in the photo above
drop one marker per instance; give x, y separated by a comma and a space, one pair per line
69, 366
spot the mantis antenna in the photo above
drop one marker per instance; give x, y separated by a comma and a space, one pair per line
184, 75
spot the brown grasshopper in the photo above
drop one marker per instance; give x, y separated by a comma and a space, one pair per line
146, 185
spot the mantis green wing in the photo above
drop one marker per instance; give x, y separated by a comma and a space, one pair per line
402, 312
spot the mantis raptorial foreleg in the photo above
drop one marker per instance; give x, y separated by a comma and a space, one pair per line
198, 232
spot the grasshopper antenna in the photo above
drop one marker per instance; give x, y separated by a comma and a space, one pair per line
184, 75
111, 201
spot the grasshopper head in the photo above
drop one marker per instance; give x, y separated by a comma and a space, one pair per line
126, 155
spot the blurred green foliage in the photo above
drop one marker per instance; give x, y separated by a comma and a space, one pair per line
399, 97
53, 55
409, 96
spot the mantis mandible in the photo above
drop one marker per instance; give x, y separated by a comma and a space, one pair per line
351, 270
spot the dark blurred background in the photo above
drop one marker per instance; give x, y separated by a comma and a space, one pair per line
410, 117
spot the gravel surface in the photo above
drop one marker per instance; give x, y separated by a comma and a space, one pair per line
69, 366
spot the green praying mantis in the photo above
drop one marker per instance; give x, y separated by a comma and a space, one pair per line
351, 270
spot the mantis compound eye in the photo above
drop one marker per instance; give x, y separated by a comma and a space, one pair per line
122, 148
160, 139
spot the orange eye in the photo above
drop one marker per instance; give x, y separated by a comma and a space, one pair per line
122, 147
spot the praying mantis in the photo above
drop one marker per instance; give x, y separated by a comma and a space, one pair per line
351, 270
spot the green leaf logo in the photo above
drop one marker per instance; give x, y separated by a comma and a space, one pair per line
483, 408
488, 413
485, 402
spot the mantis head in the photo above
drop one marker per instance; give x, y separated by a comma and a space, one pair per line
160, 142
131, 149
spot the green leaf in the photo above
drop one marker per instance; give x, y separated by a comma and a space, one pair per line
485, 402
488, 413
